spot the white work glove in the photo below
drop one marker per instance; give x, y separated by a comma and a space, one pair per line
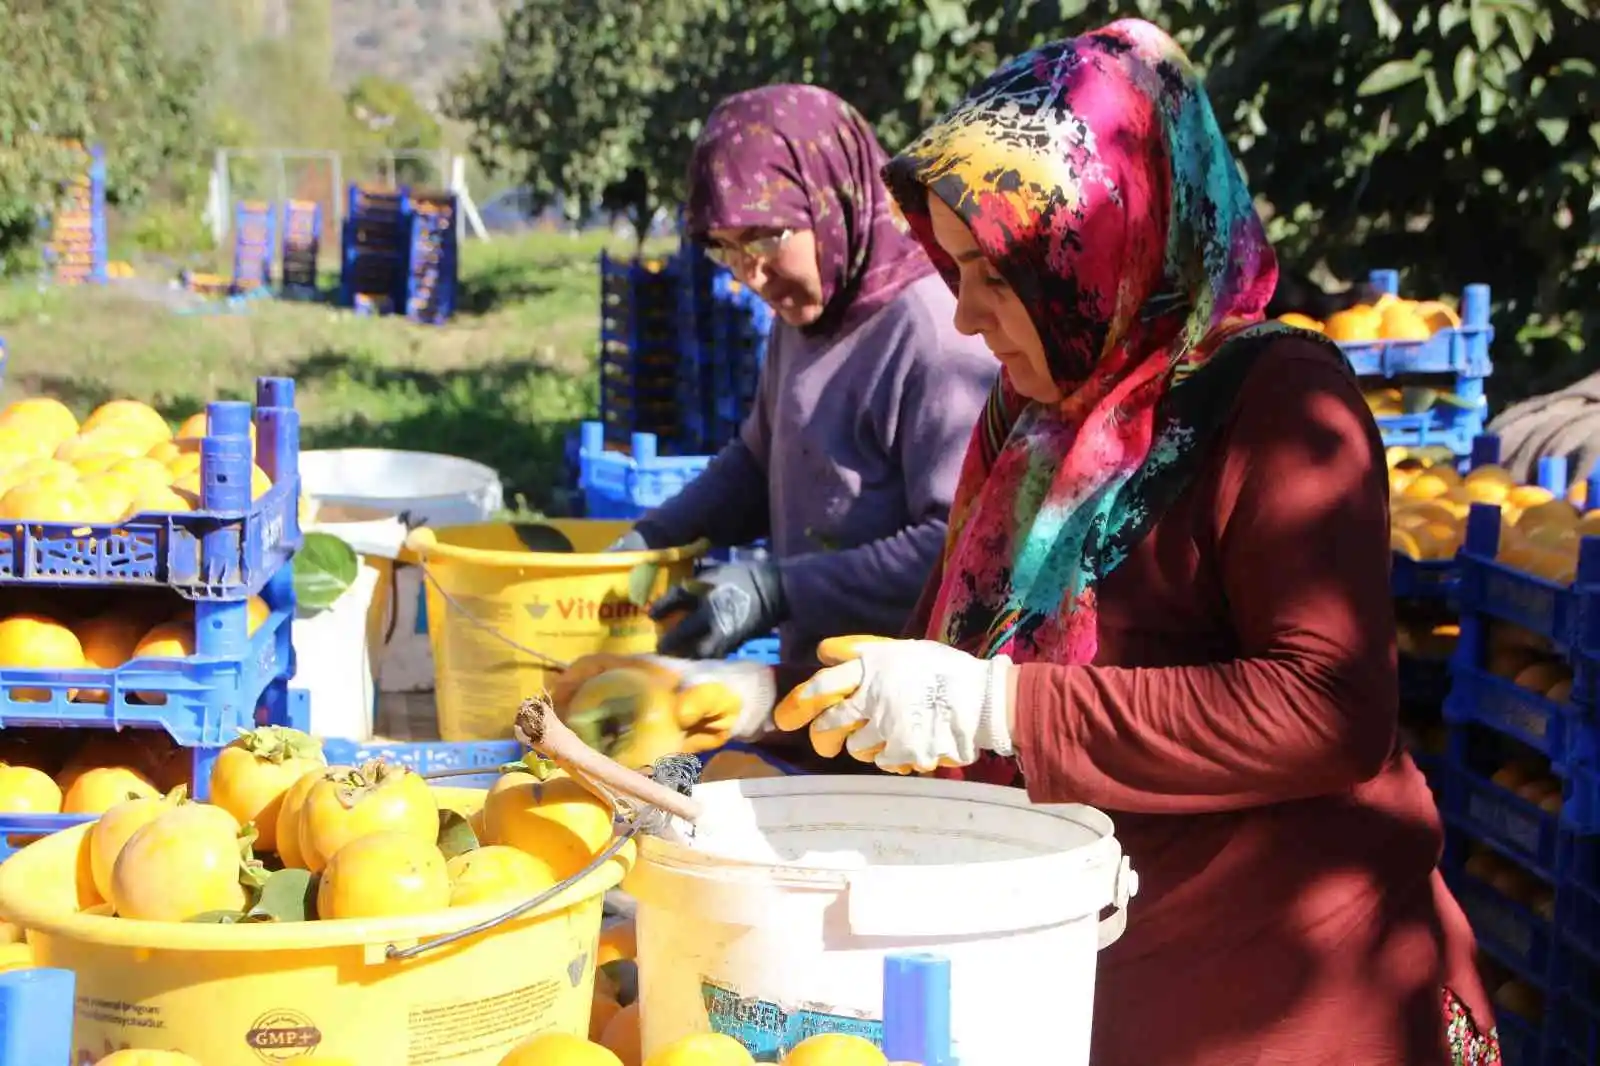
715, 701
906, 705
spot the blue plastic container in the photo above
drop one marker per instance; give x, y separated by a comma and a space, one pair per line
624, 485
36, 1012
225, 551
1463, 350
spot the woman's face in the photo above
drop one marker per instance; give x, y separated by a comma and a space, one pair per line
986, 307
780, 265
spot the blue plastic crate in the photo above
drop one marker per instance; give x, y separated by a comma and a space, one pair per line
1508, 930
1416, 579
1463, 350
1563, 732
1499, 591
1453, 430
226, 550
1575, 1022
1491, 815
207, 697
1521, 1041
429, 756
622, 485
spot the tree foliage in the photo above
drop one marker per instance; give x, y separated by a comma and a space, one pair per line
1457, 139
80, 72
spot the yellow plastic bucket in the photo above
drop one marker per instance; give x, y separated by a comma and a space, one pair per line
495, 609
257, 995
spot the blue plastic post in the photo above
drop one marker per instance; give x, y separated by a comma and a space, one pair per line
1553, 474
1483, 530
1386, 281
36, 1009
916, 1009
1485, 450
591, 439
278, 444
1591, 499
1475, 306
100, 266
644, 447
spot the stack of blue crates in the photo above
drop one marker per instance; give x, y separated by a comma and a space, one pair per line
78, 238
431, 259
1453, 361
302, 243
722, 344
217, 557
640, 362
255, 239
372, 274
1521, 788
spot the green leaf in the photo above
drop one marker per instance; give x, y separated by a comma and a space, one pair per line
1389, 77
287, 896
1554, 129
324, 569
641, 582
1416, 401
455, 834
1464, 75
217, 918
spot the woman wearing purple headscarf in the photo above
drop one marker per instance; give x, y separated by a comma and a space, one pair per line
848, 459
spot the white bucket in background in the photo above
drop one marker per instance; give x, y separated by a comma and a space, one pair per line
437, 490
774, 921
333, 662
431, 489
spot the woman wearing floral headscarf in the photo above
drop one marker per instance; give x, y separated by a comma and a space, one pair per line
848, 460
1165, 591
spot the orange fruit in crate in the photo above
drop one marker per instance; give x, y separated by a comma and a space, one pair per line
348, 803
108, 835
36, 641
1356, 324
24, 790
124, 443
187, 484
40, 417
98, 790
558, 821
835, 1049
108, 641
559, 1049
252, 774
157, 499
287, 835
131, 415
496, 873
705, 1049
50, 498
1401, 322
383, 875
183, 864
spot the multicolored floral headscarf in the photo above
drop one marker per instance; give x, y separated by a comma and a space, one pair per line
1094, 178
798, 157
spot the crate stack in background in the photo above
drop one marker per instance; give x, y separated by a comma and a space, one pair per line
217, 580
640, 361
373, 254
1423, 364
255, 243
431, 257
1512, 754
302, 243
722, 343
78, 230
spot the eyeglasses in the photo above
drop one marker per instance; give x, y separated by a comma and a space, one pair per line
764, 247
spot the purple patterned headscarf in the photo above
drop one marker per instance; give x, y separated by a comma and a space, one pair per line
798, 157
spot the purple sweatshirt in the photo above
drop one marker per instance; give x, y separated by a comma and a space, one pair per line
847, 463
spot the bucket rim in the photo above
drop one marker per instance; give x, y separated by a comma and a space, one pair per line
482, 471
344, 933
588, 562
1105, 850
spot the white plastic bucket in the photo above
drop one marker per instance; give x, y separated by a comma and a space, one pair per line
436, 490
333, 661
430, 489
773, 922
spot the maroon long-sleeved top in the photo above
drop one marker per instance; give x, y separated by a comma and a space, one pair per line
1239, 725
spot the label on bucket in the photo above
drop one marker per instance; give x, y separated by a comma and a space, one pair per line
453, 1030
770, 1030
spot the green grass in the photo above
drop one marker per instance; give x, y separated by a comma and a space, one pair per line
502, 383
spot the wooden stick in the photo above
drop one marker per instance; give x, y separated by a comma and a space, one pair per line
544, 732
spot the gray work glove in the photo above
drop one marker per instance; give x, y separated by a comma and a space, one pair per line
726, 607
